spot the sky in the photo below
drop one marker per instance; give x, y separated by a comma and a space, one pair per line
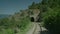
12, 6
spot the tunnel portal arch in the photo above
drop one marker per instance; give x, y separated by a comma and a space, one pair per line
32, 19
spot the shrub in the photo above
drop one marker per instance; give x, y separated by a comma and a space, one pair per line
24, 23
52, 21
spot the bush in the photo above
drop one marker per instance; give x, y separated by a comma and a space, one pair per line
8, 25
24, 23
52, 21
7, 31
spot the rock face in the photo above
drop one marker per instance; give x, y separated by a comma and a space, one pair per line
32, 13
35, 14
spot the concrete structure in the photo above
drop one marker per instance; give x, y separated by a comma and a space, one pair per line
35, 14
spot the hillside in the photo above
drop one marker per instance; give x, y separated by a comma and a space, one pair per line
46, 13
19, 22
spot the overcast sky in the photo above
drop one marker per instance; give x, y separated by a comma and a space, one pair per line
12, 6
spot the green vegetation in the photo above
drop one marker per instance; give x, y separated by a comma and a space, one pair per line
50, 14
51, 17
52, 21
13, 25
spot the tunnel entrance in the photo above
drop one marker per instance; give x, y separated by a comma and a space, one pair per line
32, 19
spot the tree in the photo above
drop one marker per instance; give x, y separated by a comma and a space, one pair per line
32, 6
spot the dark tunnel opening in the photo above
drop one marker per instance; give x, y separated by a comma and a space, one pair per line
32, 19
